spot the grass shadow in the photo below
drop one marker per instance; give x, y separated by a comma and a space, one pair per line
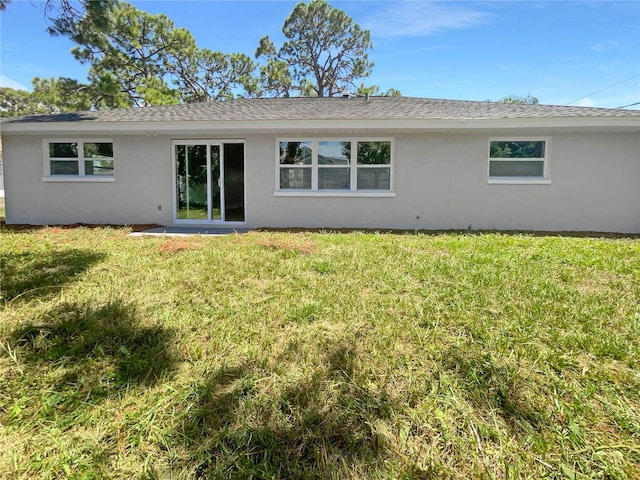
95, 352
321, 426
31, 274
489, 385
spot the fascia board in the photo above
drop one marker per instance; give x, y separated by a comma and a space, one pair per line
283, 126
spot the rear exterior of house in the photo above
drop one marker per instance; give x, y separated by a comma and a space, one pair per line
387, 163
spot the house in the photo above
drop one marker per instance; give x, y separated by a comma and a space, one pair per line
374, 162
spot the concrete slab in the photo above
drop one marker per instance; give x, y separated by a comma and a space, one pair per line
187, 231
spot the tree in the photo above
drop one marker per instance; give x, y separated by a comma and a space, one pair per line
58, 95
375, 90
512, 98
133, 56
53, 95
144, 57
63, 15
202, 74
14, 103
326, 52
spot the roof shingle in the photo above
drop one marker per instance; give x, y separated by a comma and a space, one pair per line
355, 108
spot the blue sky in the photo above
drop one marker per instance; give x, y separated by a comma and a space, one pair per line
563, 52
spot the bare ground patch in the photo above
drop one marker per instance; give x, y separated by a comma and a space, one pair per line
177, 245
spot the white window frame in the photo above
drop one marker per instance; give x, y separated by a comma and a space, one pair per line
81, 176
353, 166
544, 180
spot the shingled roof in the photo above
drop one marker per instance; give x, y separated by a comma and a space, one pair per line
354, 108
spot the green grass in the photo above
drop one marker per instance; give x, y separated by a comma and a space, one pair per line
318, 355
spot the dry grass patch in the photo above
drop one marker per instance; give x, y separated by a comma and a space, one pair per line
175, 245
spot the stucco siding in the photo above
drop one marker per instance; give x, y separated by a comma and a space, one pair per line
440, 182
142, 182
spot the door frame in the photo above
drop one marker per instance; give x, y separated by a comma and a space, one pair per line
208, 142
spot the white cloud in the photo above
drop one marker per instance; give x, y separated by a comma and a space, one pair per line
586, 102
416, 19
11, 83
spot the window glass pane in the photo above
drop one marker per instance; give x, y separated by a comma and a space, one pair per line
64, 167
191, 179
234, 182
216, 197
63, 150
98, 167
522, 149
334, 153
295, 153
516, 168
374, 153
298, 178
374, 178
334, 178
98, 150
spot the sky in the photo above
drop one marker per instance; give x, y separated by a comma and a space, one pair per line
584, 53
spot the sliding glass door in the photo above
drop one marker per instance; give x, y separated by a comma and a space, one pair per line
209, 181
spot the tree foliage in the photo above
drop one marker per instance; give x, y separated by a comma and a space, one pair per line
130, 61
518, 99
202, 75
49, 95
63, 15
58, 95
325, 53
144, 59
375, 90
138, 59
517, 149
16, 102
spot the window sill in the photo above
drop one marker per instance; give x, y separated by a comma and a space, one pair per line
361, 194
75, 179
519, 181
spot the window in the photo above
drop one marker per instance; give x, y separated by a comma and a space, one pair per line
518, 160
88, 160
329, 166
295, 165
374, 165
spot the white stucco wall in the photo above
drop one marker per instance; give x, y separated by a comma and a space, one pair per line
142, 183
440, 183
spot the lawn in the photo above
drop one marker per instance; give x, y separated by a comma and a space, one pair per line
318, 355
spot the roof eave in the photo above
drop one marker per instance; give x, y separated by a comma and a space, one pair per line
292, 126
